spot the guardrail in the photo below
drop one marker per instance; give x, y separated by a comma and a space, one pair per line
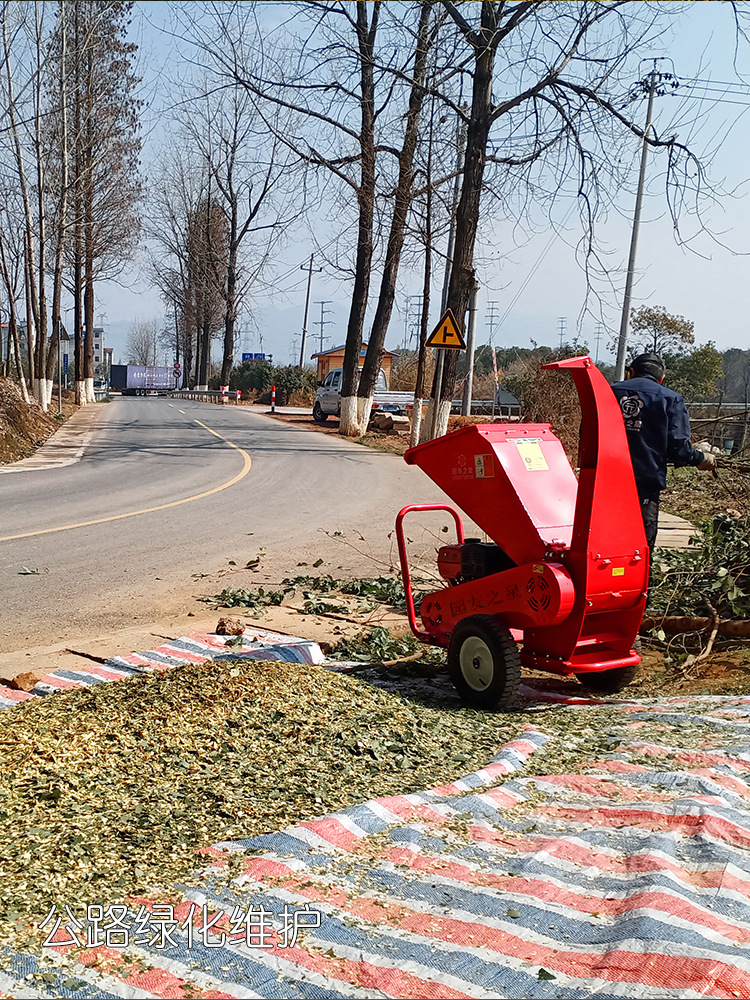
207, 395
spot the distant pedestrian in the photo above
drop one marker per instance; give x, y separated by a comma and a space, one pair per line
658, 429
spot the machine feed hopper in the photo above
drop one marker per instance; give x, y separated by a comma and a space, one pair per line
560, 583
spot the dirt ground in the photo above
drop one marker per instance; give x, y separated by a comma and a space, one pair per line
24, 428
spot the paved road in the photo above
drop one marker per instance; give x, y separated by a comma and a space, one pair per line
209, 484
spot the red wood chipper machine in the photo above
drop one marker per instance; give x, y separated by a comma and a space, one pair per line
566, 571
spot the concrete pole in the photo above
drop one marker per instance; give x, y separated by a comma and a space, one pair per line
622, 342
470, 339
303, 345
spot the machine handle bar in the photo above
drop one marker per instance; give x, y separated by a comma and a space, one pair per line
405, 575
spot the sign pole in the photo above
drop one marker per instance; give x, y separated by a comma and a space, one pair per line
446, 336
439, 366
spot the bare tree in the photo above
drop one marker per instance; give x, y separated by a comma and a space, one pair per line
142, 341
329, 82
558, 70
11, 258
103, 160
402, 202
207, 252
248, 170
174, 197
14, 40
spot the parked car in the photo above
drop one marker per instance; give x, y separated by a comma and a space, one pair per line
328, 397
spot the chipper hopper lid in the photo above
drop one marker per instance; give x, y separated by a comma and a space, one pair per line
514, 481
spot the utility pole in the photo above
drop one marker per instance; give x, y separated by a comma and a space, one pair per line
309, 268
440, 361
622, 340
492, 319
322, 321
597, 337
561, 323
413, 315
470, 340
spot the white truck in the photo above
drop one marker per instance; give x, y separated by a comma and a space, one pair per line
143, 380
328, 397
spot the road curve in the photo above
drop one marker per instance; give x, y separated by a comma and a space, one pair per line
167, 495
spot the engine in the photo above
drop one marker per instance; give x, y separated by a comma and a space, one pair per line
471, 560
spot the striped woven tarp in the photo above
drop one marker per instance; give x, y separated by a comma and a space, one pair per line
257, 644
624, 875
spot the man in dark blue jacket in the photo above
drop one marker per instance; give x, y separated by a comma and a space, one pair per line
658, 428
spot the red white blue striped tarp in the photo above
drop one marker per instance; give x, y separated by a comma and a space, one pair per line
257, 644
624, 873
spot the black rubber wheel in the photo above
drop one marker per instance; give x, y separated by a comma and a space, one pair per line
318, 415
484, 663
608, 681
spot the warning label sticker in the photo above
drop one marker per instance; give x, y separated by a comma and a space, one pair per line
530, 450
484, 467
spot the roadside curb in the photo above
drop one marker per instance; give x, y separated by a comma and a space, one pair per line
65, 446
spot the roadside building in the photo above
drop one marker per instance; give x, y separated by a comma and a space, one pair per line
334, 358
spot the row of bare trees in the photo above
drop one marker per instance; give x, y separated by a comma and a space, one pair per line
219, 211
393, 113
70, 176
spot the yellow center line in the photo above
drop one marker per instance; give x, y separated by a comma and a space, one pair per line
171, 404
181, 411
149, 510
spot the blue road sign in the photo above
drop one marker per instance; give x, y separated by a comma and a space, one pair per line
65, 363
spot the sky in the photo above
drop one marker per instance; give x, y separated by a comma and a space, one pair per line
538, 287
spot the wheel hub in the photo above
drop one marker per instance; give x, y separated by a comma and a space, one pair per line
477, 664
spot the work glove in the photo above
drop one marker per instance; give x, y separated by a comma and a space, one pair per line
709, 462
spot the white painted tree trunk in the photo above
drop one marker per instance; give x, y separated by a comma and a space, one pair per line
47, 387
39, 396
416, 423
364, 409
424, 430
89, 390
349, 417
80, 393
441, 423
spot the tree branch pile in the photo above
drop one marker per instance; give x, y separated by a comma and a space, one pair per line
701, 595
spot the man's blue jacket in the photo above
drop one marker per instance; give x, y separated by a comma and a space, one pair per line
658, 427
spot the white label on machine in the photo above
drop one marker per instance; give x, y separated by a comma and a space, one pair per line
530, 450
484, 467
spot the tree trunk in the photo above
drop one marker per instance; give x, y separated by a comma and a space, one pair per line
32, 304
53, 360
205, 354
42, 360
231, 305
78, 320
421, 382
349, 423
30, 327
13, 323
376, 343
462, 273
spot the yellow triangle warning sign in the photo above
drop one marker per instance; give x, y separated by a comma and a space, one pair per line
446, 334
